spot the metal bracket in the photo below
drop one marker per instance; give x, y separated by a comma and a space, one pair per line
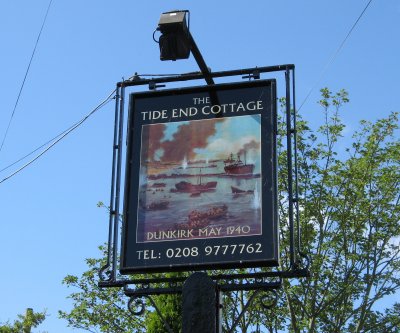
255, 75
105, 273
267, 290
153, 85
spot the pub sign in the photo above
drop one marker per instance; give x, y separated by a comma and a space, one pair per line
201, 179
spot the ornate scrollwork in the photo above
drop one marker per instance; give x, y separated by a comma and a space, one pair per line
105, 273
269, 298
145, 285
259, 280
136, 306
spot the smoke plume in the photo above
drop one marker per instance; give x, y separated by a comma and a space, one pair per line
248, 146
151, 141
188, 137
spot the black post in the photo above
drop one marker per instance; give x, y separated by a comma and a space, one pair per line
199, 299
290, 169
118, 182
219, 310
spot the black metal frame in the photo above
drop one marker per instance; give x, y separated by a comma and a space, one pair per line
257, 281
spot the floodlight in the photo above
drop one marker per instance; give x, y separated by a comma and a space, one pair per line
174, 41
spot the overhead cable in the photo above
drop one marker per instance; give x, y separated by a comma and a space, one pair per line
57, 139
26, 75
334, 55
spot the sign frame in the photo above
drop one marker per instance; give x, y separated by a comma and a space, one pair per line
153, 258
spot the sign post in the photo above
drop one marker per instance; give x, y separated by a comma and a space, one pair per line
201, 194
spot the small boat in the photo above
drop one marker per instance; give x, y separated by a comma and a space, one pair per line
201, 219
213, 213
158, 185
155, 205
236, 190
184, 186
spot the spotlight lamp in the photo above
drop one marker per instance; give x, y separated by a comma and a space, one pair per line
174, 41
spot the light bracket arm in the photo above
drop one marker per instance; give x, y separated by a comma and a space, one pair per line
200, 61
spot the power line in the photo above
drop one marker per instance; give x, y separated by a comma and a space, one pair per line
26, 75
335, 54
57, 139
32, 152
38, 148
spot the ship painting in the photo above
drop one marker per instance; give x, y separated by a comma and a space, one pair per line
188, 187
199, 177
237, 167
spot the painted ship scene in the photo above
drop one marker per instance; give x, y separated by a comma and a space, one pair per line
208, 191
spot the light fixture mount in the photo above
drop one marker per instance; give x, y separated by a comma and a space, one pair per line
174, 41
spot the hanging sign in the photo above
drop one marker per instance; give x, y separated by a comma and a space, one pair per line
201, 179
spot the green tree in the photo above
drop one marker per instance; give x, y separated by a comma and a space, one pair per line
24, 323
99, 309
350, 219
349, 216
171, 306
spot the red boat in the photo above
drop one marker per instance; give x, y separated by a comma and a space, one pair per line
189, 187
184, 186
237, 167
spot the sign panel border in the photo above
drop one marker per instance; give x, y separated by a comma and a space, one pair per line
140, 255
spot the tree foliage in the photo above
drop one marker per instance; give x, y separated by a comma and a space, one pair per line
24, 323
171, 306
98, 309
349, 214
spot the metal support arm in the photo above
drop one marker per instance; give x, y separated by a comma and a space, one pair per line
200, 60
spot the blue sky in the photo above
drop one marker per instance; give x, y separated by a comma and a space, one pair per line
49, 219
